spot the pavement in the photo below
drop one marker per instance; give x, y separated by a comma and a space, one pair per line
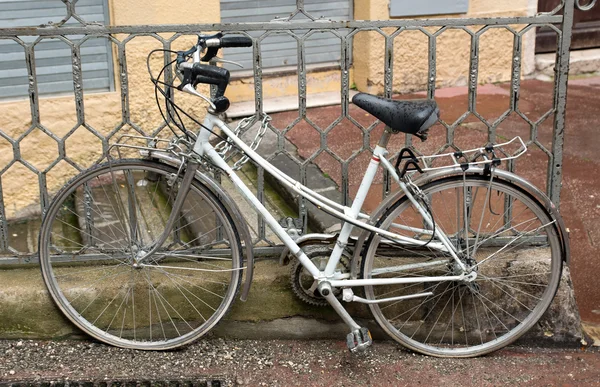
218, 362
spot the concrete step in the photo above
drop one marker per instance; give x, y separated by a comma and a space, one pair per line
582, 62
27, 311
24, 232
282, 104
272, 311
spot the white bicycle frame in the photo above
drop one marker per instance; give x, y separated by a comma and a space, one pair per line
350, 215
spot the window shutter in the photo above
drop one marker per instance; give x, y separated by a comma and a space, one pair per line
281, 49
53, 64
430, 7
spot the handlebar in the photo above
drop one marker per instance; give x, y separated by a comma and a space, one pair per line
236, 41
195, 73
212, 44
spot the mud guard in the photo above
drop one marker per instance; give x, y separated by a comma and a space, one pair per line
230, 206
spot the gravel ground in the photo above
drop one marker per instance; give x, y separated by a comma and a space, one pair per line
288, 363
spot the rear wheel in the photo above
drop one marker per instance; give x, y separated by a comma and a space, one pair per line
93, 240
501, 232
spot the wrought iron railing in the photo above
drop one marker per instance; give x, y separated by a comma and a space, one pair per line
301, 25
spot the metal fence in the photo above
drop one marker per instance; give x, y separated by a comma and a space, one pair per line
300, 26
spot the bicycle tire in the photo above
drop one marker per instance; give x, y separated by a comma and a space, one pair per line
89, 259
513, 246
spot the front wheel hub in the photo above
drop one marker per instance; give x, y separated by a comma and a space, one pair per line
138, 257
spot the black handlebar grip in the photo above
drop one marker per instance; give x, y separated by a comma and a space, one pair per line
236, 41
213, 75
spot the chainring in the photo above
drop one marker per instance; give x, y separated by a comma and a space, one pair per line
303, 283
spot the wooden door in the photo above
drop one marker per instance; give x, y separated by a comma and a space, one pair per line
586, 29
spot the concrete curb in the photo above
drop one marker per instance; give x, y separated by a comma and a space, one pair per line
271, 312
582, 62
283, 104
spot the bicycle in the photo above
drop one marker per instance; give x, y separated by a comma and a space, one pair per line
149, 253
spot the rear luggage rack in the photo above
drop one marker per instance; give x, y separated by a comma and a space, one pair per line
488, 156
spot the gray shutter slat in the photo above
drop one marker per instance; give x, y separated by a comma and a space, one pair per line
10, 60
267, 3
313, 40
55, 87
44, 4
8, 46
424, 8
281, 49
35, 13
44, 88
56, 67
310, 44
53, 63
13, 91
283, 6
22, 80
24, 18
249, 16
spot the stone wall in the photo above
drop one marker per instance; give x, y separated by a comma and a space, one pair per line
453, 49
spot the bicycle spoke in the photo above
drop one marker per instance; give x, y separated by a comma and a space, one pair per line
511, 242
167, 299
513, 257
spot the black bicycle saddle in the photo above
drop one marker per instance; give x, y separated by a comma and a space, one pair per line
410, 116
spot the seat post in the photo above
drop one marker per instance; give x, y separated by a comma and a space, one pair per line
385, 138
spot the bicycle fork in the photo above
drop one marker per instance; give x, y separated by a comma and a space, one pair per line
184, 188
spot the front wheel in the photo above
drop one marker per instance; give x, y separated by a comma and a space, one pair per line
501, 233
92, 251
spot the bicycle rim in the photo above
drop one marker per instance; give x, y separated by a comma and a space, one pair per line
92, 240
501, 231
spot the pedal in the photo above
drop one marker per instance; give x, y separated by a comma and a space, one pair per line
359, 340
293, 226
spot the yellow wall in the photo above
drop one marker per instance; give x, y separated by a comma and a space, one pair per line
281, 85
141, 12
453, 49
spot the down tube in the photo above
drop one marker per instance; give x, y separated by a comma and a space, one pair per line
258, 206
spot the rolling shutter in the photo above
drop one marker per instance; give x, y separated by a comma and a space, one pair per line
281, 50
52, 56
404, 8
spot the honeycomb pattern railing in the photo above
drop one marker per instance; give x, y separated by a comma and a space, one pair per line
72, 25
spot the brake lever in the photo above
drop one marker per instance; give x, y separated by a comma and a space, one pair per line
219, 60
190, 90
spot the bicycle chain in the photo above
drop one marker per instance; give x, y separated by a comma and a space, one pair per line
225, 146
